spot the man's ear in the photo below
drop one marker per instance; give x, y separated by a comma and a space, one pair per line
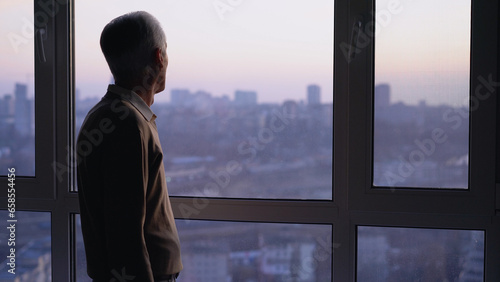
158, 57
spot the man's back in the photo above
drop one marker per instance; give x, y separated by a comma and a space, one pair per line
127, 221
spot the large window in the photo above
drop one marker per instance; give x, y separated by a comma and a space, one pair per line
245, 251
17, 126
261, 187
410, 254
26, 247
421, 94
247, 113
258, 93
421, 97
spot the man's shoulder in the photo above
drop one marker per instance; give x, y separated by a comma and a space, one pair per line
110, 123
112, 109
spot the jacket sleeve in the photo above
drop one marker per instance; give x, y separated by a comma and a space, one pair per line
125, 174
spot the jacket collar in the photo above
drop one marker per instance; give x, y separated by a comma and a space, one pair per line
134, 99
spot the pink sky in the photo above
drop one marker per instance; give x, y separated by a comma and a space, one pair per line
275, 48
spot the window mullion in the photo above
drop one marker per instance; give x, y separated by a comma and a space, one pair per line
255, 210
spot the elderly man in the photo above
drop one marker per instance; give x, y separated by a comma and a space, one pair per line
127, 222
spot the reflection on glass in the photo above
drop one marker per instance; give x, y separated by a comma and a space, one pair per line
421, 108
242, 251
412, 254
247, 110
32, 247
17, 140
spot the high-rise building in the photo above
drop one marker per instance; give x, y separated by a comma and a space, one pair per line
245, 98
3, 108
291, 108
382, 96
202, 102
6, 106
313, 94
179, 97
22, 110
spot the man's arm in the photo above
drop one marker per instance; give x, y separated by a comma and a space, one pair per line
124, 168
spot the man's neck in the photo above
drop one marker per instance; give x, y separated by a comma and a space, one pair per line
147, 95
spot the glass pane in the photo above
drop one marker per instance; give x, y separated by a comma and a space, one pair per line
25, 247
421, 120
247, 110
17, 123
412, 254
242, 251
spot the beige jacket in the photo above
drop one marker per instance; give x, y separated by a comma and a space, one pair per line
127, 222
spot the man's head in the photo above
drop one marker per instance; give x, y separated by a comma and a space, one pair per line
134, 46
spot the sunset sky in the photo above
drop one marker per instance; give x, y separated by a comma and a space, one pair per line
423, 50
275, 48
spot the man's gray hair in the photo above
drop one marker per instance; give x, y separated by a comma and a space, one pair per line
128, 44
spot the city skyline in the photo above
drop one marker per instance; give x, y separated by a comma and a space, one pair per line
232, 97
